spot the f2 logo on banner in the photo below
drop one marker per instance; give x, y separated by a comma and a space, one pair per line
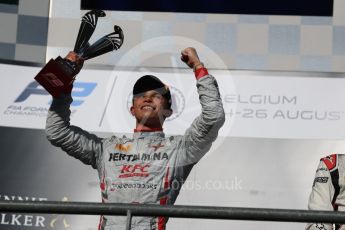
80, 89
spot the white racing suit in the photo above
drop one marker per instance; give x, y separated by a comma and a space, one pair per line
147, 168
328, 190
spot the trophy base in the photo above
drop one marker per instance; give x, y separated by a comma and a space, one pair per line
56, 76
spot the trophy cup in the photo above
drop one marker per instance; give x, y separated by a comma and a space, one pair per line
59, 73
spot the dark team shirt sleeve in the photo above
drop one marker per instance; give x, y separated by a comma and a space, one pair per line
72, 139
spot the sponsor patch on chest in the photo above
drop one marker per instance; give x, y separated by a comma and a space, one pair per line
157, 156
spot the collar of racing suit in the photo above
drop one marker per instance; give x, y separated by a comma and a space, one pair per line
148, 130
146, 133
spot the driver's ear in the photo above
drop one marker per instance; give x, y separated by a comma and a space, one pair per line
132, 110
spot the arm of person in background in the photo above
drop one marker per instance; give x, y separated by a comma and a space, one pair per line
203, 131
322, 196
73, 140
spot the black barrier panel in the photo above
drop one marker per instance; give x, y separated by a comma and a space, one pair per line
262, 7
12, 2
31, 169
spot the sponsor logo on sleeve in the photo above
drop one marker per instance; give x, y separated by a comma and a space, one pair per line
320, 180
330, 161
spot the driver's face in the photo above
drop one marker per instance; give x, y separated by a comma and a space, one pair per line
148, 108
